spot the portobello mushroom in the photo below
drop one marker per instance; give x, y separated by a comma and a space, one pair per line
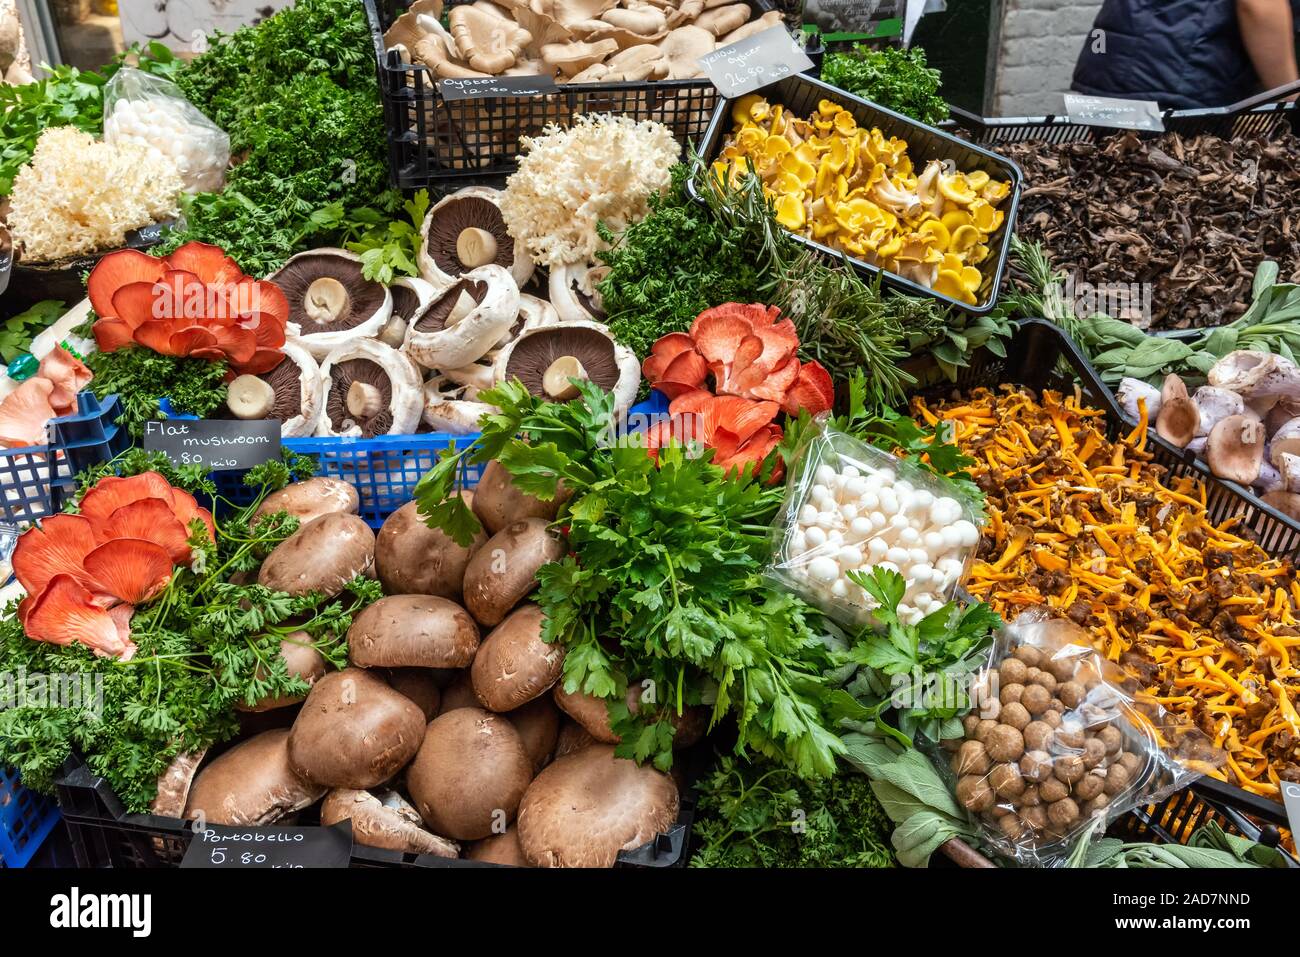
504, 570
413, 559
514, 665
330, 301
252, 783
323, 555
413, 631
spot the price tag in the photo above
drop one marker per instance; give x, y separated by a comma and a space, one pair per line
477, 88
1291, 800
1117, 114
261, 848
754, 62
218, 444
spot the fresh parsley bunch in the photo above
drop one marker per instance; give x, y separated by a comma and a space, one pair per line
897, 79
663, 583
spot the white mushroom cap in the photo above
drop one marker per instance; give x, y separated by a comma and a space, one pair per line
1215, 405
574, 294
467, 320
1256, 376
447, 411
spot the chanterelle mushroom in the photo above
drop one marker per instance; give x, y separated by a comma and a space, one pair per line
290, 392
1178, 417
464, 231
466, 321
546, 359
485, 41
369, 389
330, 301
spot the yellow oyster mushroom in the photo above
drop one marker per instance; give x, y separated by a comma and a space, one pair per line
956, 219
954, 188
802, 170
790, 212
950, 283
951, 262
845, 124
776, 146
977, 179
978, 254
750, 107
984, 217
788, 182
750, 137
890, 247
964, 238
936, 228
996, 191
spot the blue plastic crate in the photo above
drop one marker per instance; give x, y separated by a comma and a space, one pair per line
26, 819
35, 480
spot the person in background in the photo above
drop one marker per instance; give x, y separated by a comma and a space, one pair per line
1187, 54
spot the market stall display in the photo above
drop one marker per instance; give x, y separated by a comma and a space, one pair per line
877, 551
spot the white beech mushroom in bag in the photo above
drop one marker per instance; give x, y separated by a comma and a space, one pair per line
547, 358
290, 392
466, 321
465, 231
330, 302
369, 389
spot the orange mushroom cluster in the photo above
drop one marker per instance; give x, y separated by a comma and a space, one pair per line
50, 393
195, 302
752, 355
1196, 612
85, 573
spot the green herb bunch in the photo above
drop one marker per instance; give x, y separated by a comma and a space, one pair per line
758, 815
663, 590
17, 332
203, 646
897, 79
140, 377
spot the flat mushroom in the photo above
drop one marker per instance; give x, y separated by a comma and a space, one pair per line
464, 231
330, 301
1235, 449
384, 820
289, 393
413, 631
586, 807
310, 499
448, 411
1178, 417
547, 360
252, 783
412, 298
466, 321
485, 40
413, 559
369, 389
574, 292
354, 731
323, 555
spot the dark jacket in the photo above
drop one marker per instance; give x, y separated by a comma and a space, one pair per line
1181, 53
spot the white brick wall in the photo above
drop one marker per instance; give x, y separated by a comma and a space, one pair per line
1040, 43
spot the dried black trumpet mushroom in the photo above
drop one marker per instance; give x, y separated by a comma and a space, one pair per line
1192, 216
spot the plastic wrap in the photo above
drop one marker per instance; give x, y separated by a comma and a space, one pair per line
1056, 746
151, 111
851, 507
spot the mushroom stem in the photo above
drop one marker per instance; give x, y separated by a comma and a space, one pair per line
364, 400
249, 397
465, 304
555, 380
475, 247
326, 300
394, 331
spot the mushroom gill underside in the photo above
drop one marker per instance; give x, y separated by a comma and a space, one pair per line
452, 306
469, 233
329, 293
545, 363
361, 394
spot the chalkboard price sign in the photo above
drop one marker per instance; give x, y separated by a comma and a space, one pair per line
754, 62
218, 444
263, 848
1114, 113
476, 88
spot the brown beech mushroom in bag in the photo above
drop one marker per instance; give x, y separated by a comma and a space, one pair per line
413, 559
323, 555
252, 783
354, 731
384, 820
412, 631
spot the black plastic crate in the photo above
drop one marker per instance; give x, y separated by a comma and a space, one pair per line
1036, 357
103, 834
1262, 115
434, 142
800, 94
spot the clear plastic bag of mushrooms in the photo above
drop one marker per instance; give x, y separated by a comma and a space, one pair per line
850, 508
1059, 743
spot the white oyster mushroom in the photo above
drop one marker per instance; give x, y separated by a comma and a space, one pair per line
466, 321
369, 389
